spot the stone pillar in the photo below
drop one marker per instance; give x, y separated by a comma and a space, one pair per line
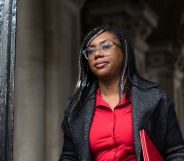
179, 78
178, 89
29, 83
160, 62
62, 49
53, 106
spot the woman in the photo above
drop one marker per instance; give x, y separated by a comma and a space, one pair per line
112, 103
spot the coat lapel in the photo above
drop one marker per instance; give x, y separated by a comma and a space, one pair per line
144, 100
80, 125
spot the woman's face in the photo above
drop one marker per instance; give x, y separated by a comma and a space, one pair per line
105, 56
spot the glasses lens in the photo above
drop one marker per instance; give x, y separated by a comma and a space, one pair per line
106, 45
91, 50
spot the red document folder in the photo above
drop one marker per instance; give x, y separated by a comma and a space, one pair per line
150, 152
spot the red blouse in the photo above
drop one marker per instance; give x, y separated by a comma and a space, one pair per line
110, 136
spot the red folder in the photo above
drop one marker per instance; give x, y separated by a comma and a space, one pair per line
150, 152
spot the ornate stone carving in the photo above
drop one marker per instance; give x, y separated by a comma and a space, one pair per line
178, 89
134, 19
160, 62
179, 77
180, 64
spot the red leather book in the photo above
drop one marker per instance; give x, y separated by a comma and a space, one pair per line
150, 152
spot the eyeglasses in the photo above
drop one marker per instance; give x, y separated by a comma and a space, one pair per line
104, 47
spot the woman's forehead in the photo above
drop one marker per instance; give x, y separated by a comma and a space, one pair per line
102, 37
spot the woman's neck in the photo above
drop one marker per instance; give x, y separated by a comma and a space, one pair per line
109, 92
108, 88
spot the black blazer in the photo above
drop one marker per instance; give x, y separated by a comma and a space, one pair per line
151, 110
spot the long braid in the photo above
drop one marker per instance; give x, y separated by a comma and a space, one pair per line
122, 81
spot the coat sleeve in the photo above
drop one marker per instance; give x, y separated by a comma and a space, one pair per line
174, 139
68, 152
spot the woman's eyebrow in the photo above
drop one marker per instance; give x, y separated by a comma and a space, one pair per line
94, 45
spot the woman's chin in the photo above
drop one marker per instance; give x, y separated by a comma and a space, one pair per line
104, 76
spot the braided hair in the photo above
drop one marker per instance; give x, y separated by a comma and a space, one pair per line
86, 77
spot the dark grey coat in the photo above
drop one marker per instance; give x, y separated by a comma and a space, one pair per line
151, 110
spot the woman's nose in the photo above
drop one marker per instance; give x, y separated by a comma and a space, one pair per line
99, 53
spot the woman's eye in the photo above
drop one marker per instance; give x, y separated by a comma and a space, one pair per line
106, 46
91, 50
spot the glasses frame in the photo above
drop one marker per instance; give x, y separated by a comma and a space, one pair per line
84, 52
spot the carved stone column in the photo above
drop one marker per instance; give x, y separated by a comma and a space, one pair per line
143, 21
179, 78
178, 89
160, 62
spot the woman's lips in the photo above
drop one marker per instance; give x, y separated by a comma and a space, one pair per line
101, 65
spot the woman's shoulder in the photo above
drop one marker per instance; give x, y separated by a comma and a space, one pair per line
150, 86
143, 83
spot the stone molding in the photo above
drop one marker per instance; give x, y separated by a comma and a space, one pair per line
180, 63
78, 3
